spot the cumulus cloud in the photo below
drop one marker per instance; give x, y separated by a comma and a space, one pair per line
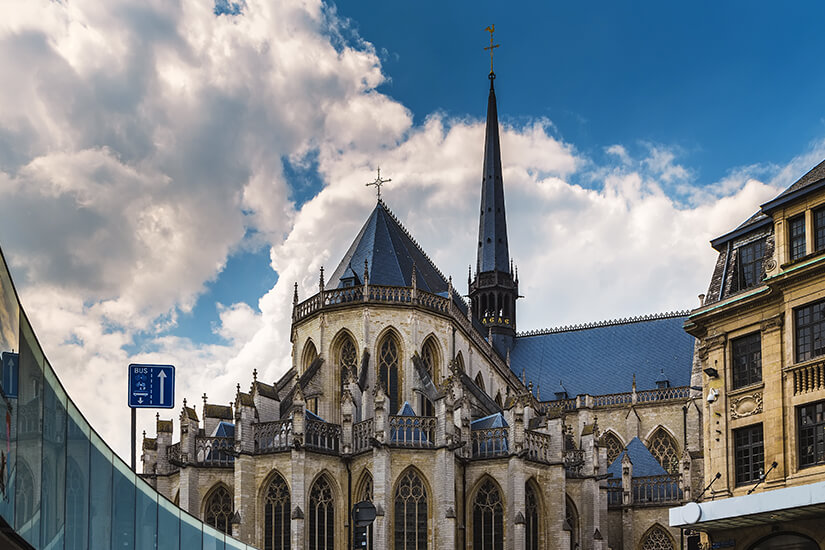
149, 146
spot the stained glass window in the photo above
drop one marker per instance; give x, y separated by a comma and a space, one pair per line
276, 515
348, 360
218, 510
410, 513
657, 539
321, 516
613, 445
531, 500
388, 371
663, 447
488, 518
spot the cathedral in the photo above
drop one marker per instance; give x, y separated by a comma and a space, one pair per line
461, 431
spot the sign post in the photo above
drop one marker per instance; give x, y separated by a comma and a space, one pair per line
150, 387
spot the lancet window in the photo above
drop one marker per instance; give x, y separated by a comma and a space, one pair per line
347, 360
531, 534
429, 355
321, 516
365, 493
613, 445
663, 447
388, 359
488, 518
410, 521
277, 515
218, 509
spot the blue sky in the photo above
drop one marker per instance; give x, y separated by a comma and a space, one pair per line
160, 196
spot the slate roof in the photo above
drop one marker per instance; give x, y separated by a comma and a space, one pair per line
815, 175
602, 358
390, 252
190, 413
644, 463
150, 443
224, 429
164, 426
492, 421
218, 411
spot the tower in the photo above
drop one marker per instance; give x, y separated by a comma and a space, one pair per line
494, 291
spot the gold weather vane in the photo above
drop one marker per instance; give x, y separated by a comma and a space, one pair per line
491, 29
378, 183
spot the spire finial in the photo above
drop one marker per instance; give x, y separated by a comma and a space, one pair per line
378, 183
491, 29
295, 294
254, 375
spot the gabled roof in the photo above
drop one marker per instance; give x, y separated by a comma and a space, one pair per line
644, 463
602, 358
224, 429
217, 411
492, 421
390, 252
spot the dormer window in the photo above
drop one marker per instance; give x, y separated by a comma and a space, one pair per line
796, 231
749, 263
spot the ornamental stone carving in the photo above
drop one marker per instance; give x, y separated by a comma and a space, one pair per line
746, 405
773, 323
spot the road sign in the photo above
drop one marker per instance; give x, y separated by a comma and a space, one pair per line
11, 364
151, 386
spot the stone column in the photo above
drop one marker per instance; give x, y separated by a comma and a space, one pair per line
298, 498
515, 505
627, 501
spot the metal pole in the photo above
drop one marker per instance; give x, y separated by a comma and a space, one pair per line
134, 437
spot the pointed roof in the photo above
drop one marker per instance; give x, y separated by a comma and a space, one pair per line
493, 252
390, 252
644, 463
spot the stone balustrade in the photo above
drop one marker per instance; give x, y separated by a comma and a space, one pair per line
215, 452
322, 436
490, 442
412, 431
271, 437
573, 462
362, 432
808, 377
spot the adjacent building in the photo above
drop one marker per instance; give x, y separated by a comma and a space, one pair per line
761, 333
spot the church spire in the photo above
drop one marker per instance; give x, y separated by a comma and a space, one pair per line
494, 291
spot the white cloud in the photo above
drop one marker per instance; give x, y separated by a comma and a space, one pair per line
147, 147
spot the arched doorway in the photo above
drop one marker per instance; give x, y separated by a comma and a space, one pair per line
786, 541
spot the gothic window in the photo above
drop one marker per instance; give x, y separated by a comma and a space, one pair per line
613, 445
276, 515
365, 493
309, 355
24, 494
531, 500
571, 516
429, 356
410, 523
488, 518
459, 361
218, 509
347, 360
388, 370
662, 446
480, 381
657, 539
499, 401
76, 505
321, 516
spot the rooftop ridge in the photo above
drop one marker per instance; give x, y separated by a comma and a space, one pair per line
606, 323
412, 239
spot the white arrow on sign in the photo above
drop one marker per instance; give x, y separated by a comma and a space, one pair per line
162, 376
140, 400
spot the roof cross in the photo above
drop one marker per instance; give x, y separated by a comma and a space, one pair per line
491, 29
378, 183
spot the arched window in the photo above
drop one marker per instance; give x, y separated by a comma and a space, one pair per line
488, 518
613, 445
459, 361
309, 355
76, 505
410, 513
321, 516
364, 492
531, 501
498, 400
388, 355
657, 539
276, 515
571, 516
429, 356
347, 359
480, 381
778, 541
24, 493
217, 511
663, 447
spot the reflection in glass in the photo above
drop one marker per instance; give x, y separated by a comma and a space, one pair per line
29, 451
146, 516
168, 525
123, 506
77, 481
53, 497
100, 494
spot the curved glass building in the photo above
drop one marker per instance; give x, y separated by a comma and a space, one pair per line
61, 486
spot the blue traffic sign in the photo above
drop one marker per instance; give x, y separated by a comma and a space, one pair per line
10, 363
151, 386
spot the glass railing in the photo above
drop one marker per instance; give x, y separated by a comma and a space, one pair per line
61, 486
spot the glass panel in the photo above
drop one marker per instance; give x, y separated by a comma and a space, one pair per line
77, 481
53, 485
191, 532
212, 538
169, 525
232, 544
29, 450
9, 361
100, 494
123, 506
146, 517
